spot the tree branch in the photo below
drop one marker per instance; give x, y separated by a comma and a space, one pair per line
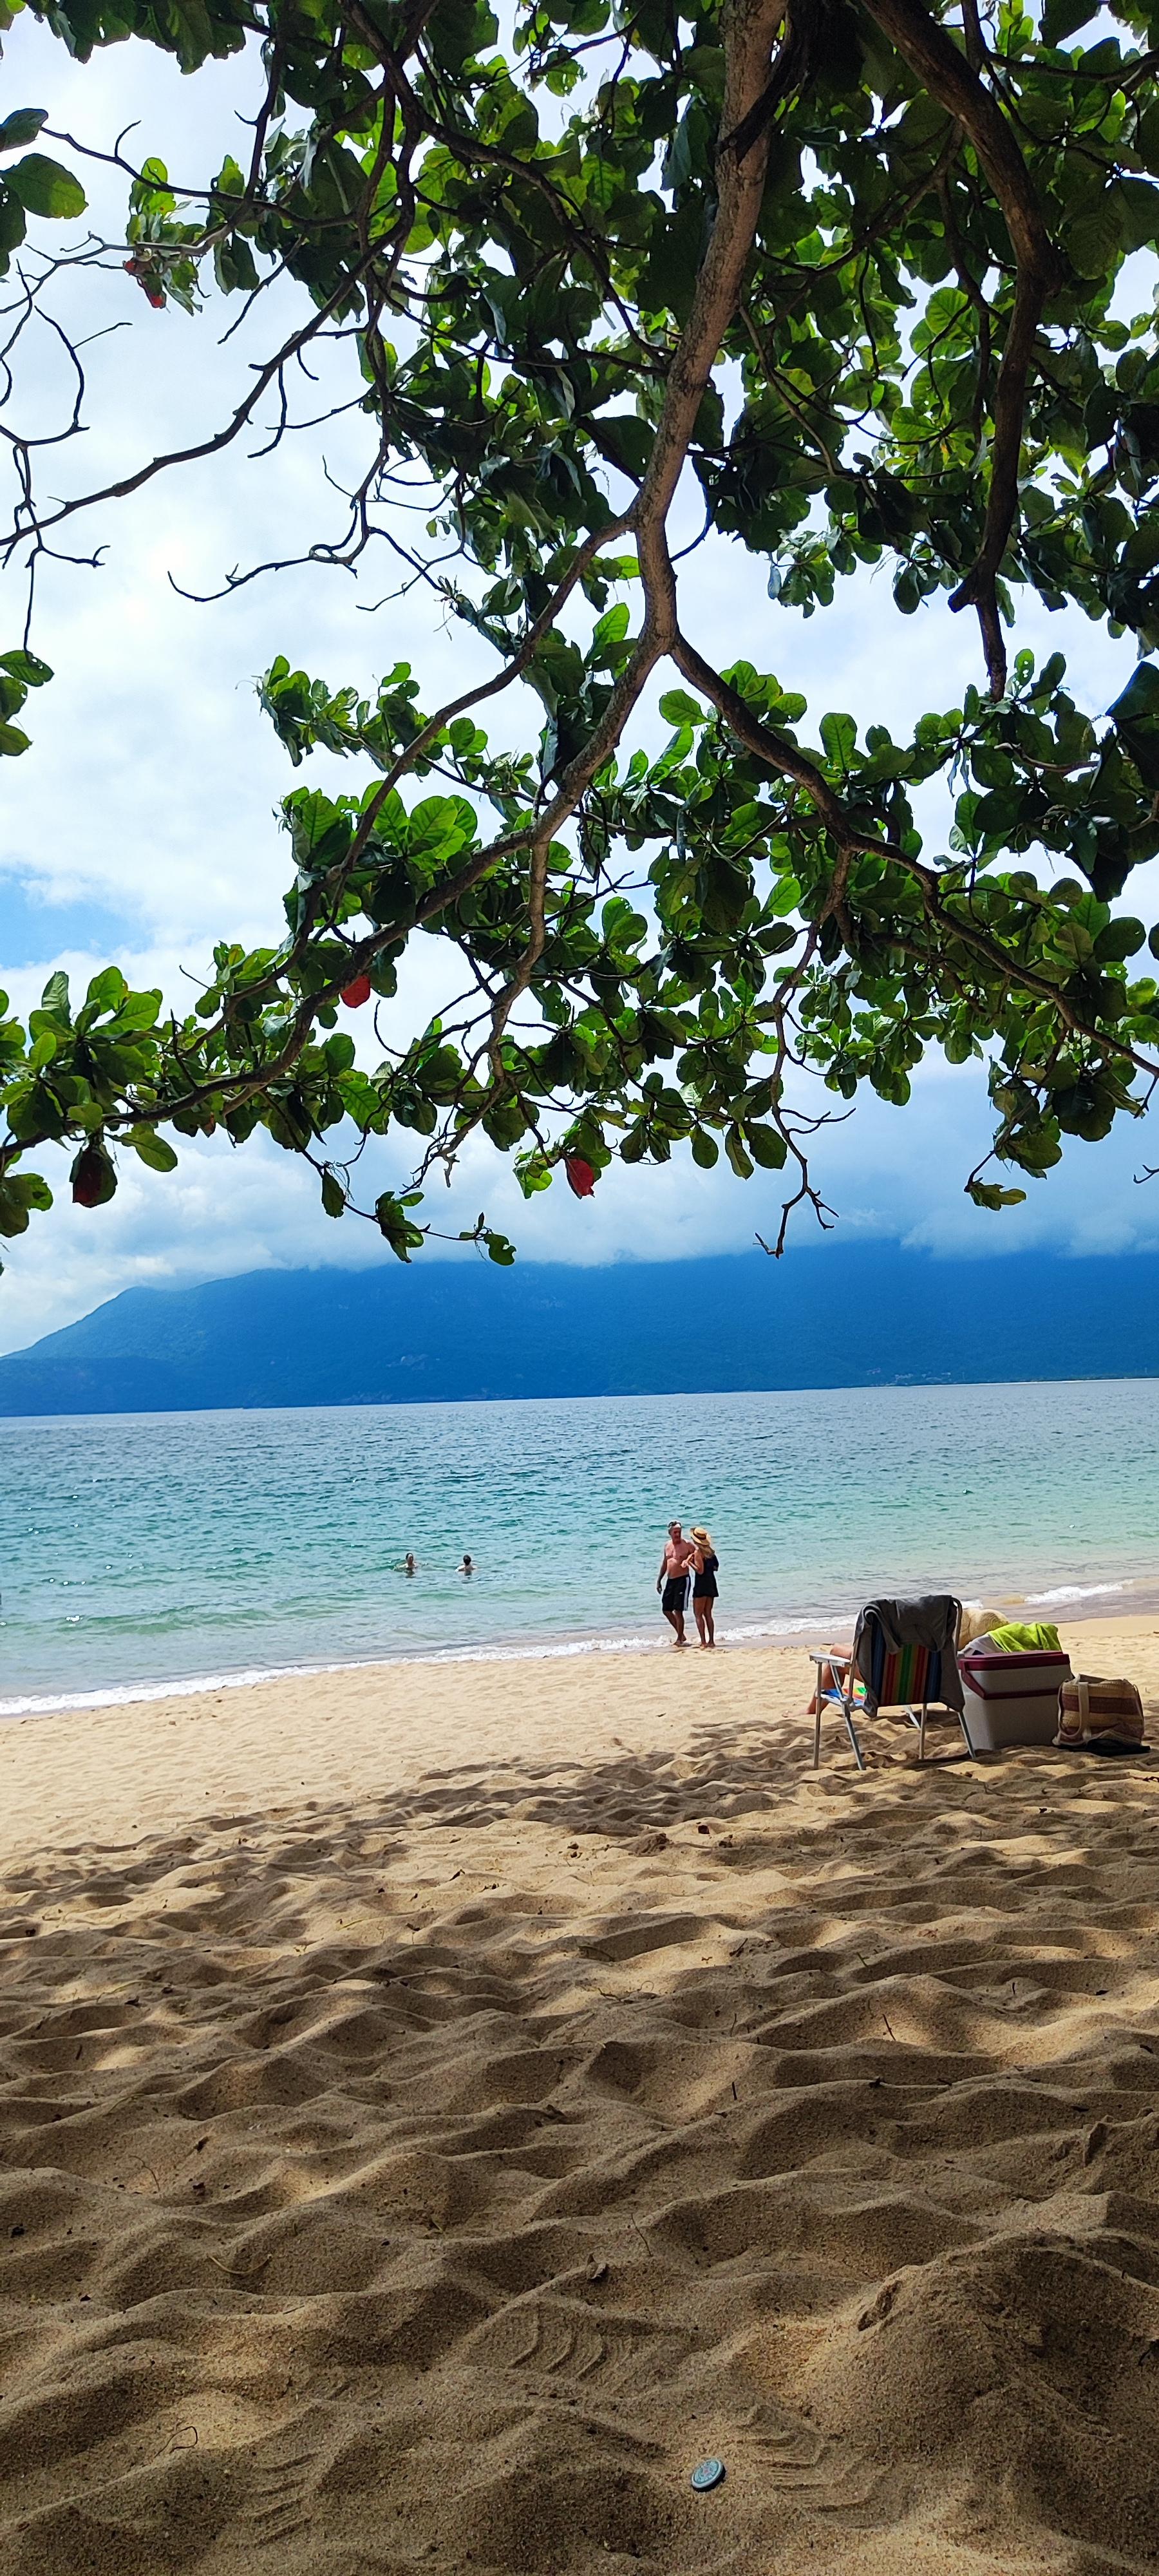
941, 69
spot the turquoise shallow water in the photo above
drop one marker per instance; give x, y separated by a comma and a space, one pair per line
152, 1551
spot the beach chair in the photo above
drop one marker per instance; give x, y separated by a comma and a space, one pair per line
877, 1679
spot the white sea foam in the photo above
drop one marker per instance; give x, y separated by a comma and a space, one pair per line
545, 1651
1074, 1592
540, 1650
127, 1695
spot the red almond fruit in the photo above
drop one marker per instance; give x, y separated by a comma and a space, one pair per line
355, 994
146, 277
580, 1175
88, 1177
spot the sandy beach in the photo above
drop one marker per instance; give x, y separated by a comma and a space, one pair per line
441, 2104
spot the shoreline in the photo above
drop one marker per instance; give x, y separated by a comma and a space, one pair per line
1140, 1601
563, 1650
136, 1767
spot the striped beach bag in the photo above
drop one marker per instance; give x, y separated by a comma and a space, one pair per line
1100, 1716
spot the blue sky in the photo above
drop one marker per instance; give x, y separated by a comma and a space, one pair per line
142, 823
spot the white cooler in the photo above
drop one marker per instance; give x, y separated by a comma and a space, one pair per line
1012, 1699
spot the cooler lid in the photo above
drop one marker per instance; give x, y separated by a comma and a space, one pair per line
1037, 1675
1015, 1663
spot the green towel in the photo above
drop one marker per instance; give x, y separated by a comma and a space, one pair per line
1037, 1637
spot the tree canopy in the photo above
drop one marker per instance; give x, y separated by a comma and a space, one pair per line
868, 275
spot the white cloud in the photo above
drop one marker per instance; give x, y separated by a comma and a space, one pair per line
153, 782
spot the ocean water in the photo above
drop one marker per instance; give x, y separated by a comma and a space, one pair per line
154, 1551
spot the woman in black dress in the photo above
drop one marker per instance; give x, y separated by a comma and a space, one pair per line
704, 1566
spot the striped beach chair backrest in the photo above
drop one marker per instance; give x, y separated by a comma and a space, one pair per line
904, 1675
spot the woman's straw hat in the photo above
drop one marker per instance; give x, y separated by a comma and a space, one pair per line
977, 1621
701, 1533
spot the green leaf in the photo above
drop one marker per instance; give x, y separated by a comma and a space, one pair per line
194, 32
55, 995
766, 1147
986, 1194
626, 441
678, 709
395, 1224
734, 1146
1060, 18
153, 1149
107, 989
22, 126
13, 225
1135, 716
333, 1195
319, 830
839, 735
612, 628
235, 267
138, 1011
20, 1193
1137, 207
1120, 939
26, 668
44, 187
677, 246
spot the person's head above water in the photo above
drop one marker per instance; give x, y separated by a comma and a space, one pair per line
467, 1564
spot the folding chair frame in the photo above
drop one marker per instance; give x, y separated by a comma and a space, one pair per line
845, 1700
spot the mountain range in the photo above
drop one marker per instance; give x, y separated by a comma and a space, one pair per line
837, 1315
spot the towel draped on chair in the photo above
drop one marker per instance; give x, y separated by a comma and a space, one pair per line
889, 1627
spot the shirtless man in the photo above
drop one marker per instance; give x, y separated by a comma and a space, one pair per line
672, 1580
